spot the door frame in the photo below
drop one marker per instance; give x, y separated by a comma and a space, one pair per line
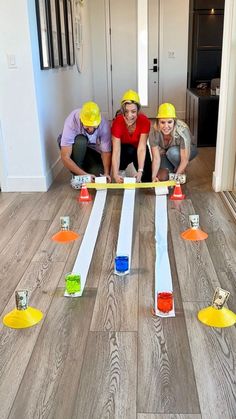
108, 54
3, 166
224, 175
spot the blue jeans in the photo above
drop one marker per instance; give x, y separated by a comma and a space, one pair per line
171, 160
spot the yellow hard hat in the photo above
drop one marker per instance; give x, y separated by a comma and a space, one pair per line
90, 114
166, 110
130, 96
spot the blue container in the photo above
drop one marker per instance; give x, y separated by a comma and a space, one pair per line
121, 264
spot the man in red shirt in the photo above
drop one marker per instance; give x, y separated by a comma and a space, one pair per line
130, 130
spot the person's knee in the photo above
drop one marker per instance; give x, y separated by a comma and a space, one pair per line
163, 174
79, 150
173, 155
80, 140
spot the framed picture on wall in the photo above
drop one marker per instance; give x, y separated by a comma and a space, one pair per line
69, 32
62, 32
43, 34
54, 32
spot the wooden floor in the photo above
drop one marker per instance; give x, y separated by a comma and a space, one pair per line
104, 355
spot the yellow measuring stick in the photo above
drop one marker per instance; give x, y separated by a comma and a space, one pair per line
130, 185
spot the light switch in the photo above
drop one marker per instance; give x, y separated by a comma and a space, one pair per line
11, 60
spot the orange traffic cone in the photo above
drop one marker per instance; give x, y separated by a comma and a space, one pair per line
194, 233
84, 194
65, 235
177, 194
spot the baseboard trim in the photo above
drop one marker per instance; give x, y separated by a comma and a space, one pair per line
229, 199
32, 183
53, 172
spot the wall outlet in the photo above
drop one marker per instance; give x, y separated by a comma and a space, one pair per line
11, 61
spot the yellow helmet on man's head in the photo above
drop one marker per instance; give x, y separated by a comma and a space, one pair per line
130, 96
90, 114
166, 110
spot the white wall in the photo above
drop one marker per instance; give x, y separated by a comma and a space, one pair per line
174, 16
18, 112
99, 13
34, 102
224, 176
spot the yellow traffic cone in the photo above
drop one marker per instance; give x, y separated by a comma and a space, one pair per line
22, 316
216, 315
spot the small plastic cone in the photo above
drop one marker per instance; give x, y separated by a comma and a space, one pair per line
65, 236
84, 195
194, 234
177, 194
20, 319
214, 317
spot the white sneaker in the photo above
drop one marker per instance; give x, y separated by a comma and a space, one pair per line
77, 181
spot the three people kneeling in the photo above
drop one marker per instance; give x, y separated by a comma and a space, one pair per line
87, 138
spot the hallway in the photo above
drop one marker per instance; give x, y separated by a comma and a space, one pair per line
103, 355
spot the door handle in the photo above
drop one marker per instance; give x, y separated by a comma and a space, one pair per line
155, 68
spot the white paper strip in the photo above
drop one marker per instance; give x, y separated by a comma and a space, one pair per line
163, 279
84, 257
125, 237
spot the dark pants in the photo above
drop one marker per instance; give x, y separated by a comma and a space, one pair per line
128, 154
171, 160
85, 157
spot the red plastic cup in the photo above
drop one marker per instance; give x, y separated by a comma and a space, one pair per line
165, 301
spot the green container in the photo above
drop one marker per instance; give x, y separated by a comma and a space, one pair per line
73, 283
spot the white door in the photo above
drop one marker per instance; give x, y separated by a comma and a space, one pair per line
134, 30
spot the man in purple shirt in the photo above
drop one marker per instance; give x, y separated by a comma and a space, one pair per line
85, 142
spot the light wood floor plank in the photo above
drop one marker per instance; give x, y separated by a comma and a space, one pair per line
56, 361
116, 303
58, 369
14, 215
165, 371
6, 198
199, 171
50, 203
109, 372
113, 203
221, 243
16, 346
197, 276
81, 225
17, 255
59, 252
147, 210
167, 416
214, 354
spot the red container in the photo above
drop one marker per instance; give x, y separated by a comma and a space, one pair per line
165, 301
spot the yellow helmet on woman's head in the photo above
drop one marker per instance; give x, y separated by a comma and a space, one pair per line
130, 96
90, 114
166, 110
